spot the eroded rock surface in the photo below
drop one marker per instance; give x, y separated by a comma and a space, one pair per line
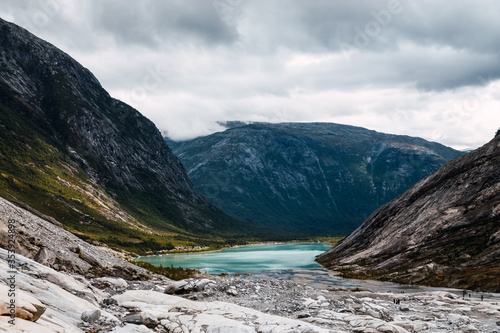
444, 231
49, 244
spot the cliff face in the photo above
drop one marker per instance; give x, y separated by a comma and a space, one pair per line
319, 178
443, 231
71, 151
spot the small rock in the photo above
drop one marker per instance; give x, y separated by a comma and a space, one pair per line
302, 315
133, 319
232, 292
109, 301
148, 319
404, 308
470, 329
91, 316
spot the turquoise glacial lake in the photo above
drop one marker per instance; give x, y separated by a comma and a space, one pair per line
293, 261
244, 259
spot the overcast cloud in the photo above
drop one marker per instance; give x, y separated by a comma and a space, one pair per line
421, 68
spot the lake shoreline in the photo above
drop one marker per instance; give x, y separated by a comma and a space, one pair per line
195, 251
242, 259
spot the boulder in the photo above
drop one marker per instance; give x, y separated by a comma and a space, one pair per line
148, 319
117, 282
133, 319
232, 292
91, 316
303, 314
201, 284
170, 289
365, 330
404, 308
374, 313
106, 282
24, 326
45, 257
26, 306
183, 286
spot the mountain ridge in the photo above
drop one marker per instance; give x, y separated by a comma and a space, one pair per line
296, 175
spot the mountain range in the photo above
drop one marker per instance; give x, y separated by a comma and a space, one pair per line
443, 231
317, 178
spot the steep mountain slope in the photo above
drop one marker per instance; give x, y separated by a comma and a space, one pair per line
318, 178
70, 151
444, 231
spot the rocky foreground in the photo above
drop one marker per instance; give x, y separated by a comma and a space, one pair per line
51, 301
63, 284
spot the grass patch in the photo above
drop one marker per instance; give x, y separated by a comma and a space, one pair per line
173, 273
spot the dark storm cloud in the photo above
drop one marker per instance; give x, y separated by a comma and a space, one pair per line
462, 24
457, 43
470, 29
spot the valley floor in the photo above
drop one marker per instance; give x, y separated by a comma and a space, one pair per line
73, 303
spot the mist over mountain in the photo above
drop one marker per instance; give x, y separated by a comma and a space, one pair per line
318, 178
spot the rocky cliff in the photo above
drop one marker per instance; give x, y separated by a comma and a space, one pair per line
72, 152
444, 231
319, 178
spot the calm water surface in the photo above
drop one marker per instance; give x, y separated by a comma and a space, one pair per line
246, 258
281, 261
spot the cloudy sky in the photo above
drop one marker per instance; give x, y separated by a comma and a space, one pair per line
416, 67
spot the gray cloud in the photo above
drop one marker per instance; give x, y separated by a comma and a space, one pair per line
155, 23
422, 67
469, 28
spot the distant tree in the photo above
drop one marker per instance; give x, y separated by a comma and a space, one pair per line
498, 133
